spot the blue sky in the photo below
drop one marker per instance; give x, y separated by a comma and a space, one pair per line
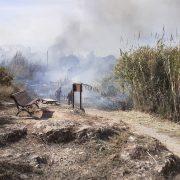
85, 25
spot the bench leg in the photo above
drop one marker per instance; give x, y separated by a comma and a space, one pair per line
26, 109
29, 112
19, 110
37, 105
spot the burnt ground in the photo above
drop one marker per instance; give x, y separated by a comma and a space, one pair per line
166, 131
75, 145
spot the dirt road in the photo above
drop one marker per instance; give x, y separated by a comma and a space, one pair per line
144, 124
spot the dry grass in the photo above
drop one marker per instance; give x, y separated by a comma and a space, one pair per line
152, 75
5, 92
6, 87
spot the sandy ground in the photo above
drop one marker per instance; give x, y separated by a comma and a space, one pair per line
165, 131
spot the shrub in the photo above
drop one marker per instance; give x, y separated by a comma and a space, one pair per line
152, 75
5, 77
5, 92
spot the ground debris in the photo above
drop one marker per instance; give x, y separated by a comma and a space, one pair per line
77, 111
75, 146
17, 170
67, 131
12, 134
171, 164
55, 132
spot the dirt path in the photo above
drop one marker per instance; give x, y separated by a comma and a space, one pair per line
141, 123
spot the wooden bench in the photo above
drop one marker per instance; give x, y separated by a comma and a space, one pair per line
24, 102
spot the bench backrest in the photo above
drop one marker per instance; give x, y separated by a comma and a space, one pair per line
21, 98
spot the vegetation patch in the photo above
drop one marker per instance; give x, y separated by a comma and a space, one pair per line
152, 76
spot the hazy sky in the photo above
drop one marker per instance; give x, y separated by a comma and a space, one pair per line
84, 25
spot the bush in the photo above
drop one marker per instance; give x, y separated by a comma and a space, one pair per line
152, 75
5, 92
5, 77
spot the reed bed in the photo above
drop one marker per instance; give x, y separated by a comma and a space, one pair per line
152, 76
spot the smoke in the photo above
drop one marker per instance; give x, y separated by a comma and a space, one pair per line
132, 15
104, 26
71, 30
71, 40
81, 26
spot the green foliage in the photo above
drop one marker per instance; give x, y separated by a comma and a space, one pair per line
5, 77
152, 75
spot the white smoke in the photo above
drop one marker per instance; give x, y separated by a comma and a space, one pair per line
71, 29
81, 26
105, 26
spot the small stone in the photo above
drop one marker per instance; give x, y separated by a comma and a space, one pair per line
125, 156
159, 168
23, 176
131, 139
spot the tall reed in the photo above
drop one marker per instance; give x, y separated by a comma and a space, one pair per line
152, 76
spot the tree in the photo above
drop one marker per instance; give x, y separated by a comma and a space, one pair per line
19, 66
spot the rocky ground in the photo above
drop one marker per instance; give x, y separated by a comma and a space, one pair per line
76, 145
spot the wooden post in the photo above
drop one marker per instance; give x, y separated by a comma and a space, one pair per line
77, 88
81, 97
73, 99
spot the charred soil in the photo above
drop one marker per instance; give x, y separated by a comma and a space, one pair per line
75, 145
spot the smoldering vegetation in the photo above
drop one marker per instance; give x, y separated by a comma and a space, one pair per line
42, 79
71, 57
146, 77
